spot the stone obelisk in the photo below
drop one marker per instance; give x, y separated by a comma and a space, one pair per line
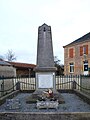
45, 70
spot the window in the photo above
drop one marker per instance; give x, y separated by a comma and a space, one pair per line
71, 52
83, 50
71, 67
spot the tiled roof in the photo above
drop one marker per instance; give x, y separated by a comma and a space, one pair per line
81, 39
22, 65
2, 62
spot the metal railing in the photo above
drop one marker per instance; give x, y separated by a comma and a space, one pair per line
8, 84
65, 82
81, 83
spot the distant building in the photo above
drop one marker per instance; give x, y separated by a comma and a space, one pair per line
77, 56
24, 69
6, 69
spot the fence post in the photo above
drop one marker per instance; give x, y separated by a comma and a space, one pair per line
18, 85
81, 82
13, 83
74, 85
2, 87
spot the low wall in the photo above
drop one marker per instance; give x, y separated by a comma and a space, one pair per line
83, 96
10, 95
44, 116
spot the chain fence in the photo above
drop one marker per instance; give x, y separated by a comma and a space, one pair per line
79, 82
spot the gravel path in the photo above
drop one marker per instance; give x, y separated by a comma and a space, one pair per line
72, 104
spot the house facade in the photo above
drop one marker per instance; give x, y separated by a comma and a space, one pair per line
77, 56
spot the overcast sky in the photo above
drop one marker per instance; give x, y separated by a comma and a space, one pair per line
20, 19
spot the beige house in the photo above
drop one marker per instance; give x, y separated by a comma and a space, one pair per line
77, 56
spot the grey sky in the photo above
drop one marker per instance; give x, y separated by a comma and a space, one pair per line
19, 21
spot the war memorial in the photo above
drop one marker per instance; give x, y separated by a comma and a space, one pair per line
45, 70
45, 102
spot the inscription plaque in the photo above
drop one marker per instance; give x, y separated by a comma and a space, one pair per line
45, 81
13, 104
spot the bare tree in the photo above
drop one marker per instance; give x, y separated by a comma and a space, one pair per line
10, 55
56, 61
60, 67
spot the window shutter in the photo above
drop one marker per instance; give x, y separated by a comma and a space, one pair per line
71, 53
81, 50
86, 49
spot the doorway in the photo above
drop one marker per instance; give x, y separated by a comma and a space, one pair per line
85, 65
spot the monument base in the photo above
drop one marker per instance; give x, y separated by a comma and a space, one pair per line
37, 95
44, 82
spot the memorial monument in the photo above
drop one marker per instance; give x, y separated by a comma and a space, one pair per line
45, 69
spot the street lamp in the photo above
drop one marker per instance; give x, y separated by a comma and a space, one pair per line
85, 65
29, 72
85, 57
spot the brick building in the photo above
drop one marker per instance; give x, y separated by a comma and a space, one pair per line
77, 56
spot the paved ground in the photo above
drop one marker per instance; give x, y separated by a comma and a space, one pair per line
72, 104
